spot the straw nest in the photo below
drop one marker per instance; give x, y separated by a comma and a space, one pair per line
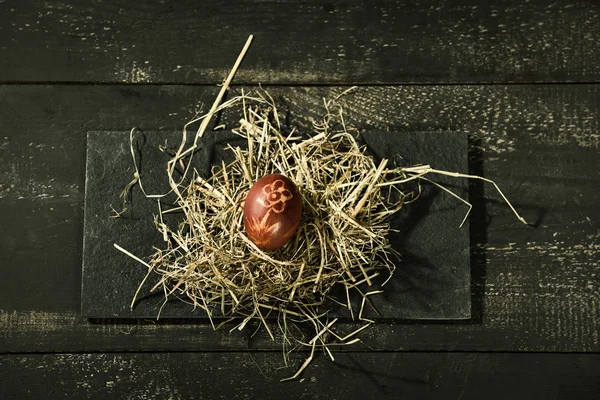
348, 198
208, 261
342, 239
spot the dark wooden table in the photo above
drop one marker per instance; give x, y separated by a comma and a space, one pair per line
520, 77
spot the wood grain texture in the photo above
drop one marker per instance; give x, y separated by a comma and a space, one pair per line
536, 289
257, 375
309, 42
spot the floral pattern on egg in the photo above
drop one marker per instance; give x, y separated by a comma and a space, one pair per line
272, 211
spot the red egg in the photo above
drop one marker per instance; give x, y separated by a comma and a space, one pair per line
272, 211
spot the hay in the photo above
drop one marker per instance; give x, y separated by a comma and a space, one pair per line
209, 262
342, 238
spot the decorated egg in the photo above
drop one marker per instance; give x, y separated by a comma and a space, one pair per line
272, 211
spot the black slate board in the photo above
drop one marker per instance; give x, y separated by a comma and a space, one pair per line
432, 282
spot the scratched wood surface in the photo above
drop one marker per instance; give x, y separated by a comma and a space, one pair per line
364, 376
307, 42
520, 77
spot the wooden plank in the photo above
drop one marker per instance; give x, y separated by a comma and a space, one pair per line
312, 42
535, 289
31, 332
257, 375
